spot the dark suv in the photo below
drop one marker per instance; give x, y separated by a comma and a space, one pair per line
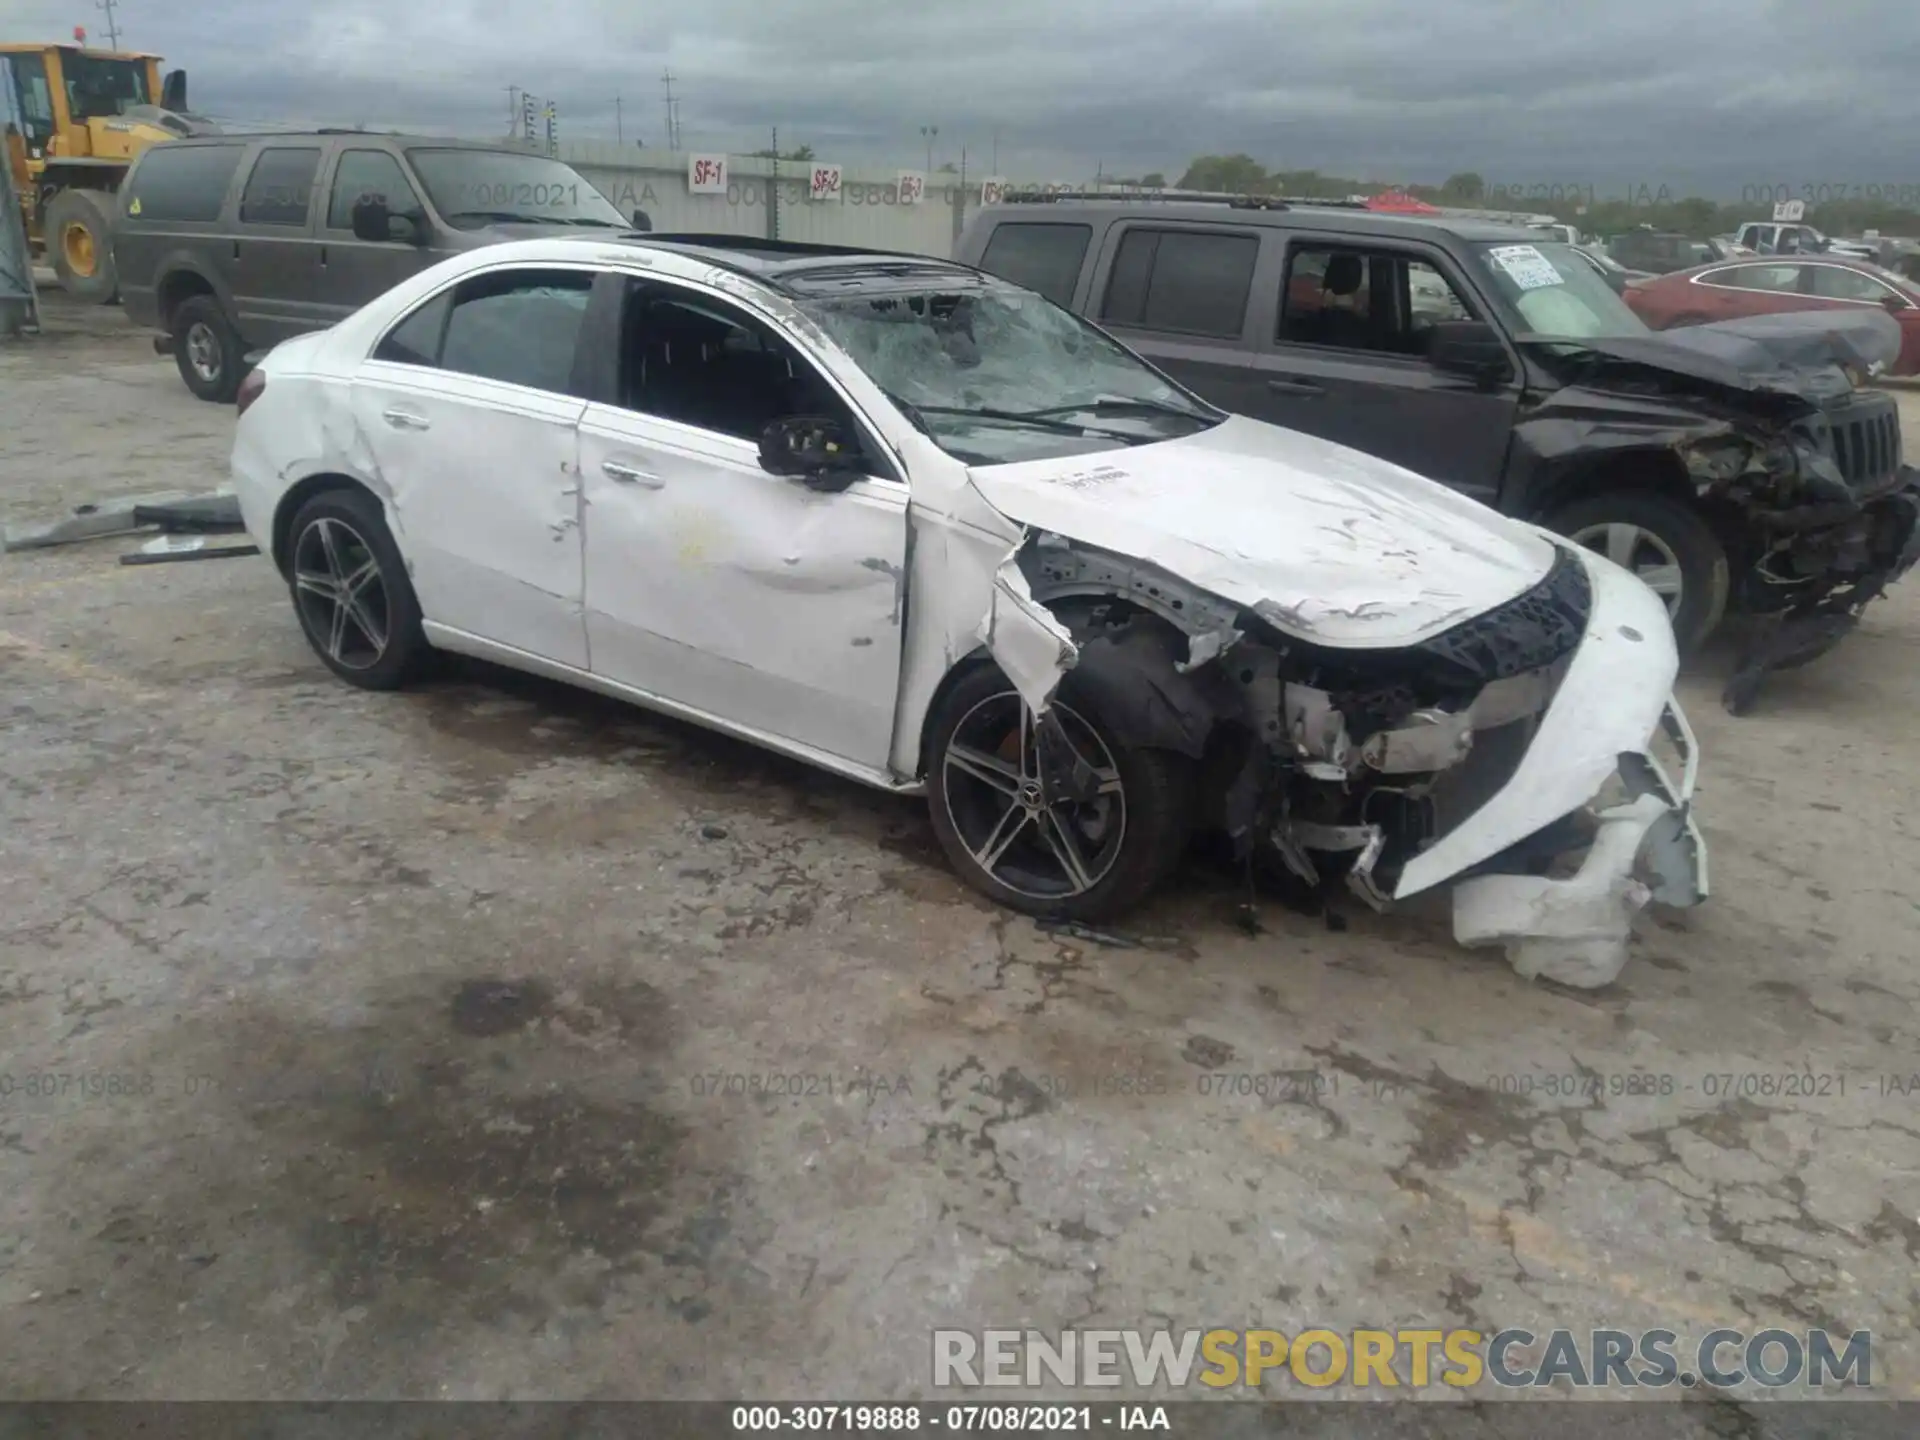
1736, 465
234, 243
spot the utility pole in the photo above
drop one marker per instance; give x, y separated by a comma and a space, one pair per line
673, 124
113, 26
994, 168
928, 133
619, 127
513, 110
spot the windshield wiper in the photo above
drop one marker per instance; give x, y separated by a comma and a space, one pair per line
1113, 406
1039, 419
510, 217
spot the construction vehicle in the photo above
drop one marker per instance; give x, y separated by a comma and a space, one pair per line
75, 121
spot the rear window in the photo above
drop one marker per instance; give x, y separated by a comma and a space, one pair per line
280, 189
1045, 258
183, 182
1183, 281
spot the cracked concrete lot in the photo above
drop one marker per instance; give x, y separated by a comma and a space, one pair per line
492, 1039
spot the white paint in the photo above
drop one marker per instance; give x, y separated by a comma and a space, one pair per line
1333, 545
1029, 645
1608, 704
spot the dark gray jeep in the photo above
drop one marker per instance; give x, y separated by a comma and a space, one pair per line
1740, 466
233, 243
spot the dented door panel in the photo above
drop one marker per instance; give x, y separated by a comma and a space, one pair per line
484, 498
713, 584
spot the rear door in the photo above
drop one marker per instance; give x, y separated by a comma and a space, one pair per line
1346, 359
1043, 255
470, 409
1184, 296
352, 271
274, 261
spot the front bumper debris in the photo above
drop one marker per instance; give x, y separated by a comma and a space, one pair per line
1575, 930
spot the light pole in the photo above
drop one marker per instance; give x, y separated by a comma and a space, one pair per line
928, 133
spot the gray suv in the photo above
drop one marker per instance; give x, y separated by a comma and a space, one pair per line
1739, 466
231, 244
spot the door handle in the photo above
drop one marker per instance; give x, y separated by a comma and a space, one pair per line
1295, 387
627, 475
405, 419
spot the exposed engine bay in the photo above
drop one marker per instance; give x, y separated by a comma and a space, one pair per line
1368, 765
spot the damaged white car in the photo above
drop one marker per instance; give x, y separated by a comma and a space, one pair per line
926, 529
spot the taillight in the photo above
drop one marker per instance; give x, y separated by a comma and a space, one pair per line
251, 390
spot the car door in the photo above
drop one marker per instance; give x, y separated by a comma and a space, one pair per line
710, 583
468, 405
352, 271
273, 258
1346, 360
1182, 295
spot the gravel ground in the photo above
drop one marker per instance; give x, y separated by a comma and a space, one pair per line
399, 1030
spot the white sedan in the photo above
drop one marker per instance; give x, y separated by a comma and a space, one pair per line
926, 529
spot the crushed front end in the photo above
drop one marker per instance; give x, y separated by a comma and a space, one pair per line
1512, 756
1830, 512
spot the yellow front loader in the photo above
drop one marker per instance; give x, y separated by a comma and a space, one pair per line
76, 119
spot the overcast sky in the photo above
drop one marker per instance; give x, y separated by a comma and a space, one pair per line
1709, 95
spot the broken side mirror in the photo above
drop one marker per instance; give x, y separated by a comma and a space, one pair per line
1468, 347
642, 221
811, 449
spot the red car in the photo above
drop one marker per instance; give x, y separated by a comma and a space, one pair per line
1765, 284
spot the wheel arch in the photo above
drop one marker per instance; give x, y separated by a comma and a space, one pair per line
296, 496
179, 284
1656, 469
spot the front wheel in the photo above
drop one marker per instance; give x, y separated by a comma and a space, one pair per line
1668, 545
1058, 817
76, 229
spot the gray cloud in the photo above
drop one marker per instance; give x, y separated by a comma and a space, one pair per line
1702, 94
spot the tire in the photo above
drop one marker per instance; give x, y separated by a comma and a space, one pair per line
375, 641
1126, 841
207, 349
1689, 544
77, 230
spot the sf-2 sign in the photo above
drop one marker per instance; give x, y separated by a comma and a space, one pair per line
825, 184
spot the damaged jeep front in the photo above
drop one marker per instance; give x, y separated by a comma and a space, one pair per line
1782, 445
1511, 755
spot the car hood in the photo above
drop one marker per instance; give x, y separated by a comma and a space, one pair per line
1806, 353
1328, 544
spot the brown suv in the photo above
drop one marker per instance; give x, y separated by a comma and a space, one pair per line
231, 244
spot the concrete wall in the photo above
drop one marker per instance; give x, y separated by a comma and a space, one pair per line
867, 213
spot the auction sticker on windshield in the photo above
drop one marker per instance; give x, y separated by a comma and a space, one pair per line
1525, 266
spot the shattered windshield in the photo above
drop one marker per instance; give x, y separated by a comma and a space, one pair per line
996, 374
1550, 291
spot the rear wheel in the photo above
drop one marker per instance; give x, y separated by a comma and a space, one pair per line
1673, 551
351, 592
75, 227
1059, 818
206, 349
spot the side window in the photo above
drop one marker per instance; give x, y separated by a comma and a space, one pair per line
280, 189
1781, 279
702, 363
1365, 300
35, 98
1187, 282
518, 326
182, 182
1045, 258
416, 339
1830, 282
368, 173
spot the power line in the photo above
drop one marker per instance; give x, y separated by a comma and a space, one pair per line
113, 25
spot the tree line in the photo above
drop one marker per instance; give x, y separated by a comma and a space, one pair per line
1689, 215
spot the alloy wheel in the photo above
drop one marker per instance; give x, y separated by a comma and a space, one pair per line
1040, 808
341, 593
1641, 551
